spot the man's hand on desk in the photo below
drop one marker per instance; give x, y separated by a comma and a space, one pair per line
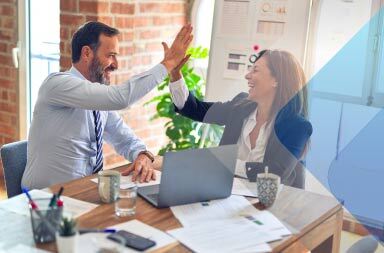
142, 169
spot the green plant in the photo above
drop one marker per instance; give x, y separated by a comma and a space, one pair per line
67, 226
184, 133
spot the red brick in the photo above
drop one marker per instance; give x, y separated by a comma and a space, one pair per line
150, 34
6, 60
68, 5
126, 50
71, 19
143, 21
64, 34
8, 23
163, 7
4, 95
123, 22
106, 20
5, 118
65, 63
3, 47
177, 20
126, 36
7, 35
154, 47
123, 8
7, 10
12, 96
93, 7
9, 131
7, 107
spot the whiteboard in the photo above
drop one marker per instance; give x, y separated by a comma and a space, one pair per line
240, 25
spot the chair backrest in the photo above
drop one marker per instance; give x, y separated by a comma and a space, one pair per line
368, 244
14, 158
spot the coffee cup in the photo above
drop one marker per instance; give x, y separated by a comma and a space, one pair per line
267, 187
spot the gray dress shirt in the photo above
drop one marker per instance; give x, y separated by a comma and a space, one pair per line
62, 142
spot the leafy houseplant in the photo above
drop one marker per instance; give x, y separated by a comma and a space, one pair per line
66, 236
67, 227
184, 133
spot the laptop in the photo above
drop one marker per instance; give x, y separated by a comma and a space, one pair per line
193, 176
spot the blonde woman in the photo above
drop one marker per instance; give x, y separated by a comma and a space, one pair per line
269, 123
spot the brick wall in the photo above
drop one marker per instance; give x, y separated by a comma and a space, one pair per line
8, 74
143, 25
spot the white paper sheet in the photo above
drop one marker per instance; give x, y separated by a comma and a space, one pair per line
20, 248
228, 235
244, 188
240, 169
234, 18
266, 221
196, 213
92, 242
19, 204
128, 180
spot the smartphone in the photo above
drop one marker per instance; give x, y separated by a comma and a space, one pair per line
131, 240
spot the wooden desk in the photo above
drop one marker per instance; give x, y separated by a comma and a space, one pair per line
316, 218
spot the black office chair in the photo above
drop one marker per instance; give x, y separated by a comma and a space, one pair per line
14, 158
368, 244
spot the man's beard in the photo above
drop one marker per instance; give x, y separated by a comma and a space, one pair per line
96, 72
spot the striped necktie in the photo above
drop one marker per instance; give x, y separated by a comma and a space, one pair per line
99, 142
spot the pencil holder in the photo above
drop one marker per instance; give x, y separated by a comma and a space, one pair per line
45, 220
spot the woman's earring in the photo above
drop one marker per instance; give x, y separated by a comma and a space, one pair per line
274, 85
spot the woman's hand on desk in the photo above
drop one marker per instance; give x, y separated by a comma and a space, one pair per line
142, 169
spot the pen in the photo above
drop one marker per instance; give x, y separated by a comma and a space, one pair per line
59, 201
31, 202
96, 230
34, 207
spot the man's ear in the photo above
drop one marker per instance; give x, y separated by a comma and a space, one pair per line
86, 53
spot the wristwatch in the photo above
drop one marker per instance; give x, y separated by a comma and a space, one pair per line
148, 154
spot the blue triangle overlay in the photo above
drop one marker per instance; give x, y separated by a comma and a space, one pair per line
347, 149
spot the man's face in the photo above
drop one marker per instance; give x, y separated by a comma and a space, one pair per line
104, 61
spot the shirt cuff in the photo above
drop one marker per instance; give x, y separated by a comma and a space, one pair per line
136, 153
179, 93
160, 72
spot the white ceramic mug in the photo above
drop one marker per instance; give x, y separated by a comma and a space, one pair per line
108, 184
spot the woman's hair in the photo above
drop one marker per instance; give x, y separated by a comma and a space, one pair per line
291, 90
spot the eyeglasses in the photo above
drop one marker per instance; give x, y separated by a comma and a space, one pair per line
253, 58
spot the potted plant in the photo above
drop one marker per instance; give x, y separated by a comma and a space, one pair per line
184, 133
66, 236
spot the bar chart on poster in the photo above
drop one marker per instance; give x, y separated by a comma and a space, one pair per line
242, 28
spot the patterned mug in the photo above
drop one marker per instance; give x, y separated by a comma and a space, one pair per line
267, 188
109, 183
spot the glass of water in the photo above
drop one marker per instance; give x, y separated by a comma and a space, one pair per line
126, 202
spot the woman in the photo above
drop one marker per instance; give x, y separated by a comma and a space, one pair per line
269, 123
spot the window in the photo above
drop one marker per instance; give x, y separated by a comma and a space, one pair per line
39, 42
202, 20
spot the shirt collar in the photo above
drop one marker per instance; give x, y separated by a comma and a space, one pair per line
252, 116
74, 71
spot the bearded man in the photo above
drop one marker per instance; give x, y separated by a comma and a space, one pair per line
76, 110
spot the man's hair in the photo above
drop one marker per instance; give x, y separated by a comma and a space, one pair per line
88, 35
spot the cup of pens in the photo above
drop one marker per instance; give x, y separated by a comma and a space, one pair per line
267, 187
45, 219
46, 215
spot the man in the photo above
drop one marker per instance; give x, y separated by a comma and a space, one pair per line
75, 110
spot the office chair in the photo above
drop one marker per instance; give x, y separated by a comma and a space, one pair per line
14, 158
368, 244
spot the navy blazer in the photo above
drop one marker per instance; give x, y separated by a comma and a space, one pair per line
285, 145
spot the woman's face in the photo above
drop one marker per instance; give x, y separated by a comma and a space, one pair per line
262, 85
